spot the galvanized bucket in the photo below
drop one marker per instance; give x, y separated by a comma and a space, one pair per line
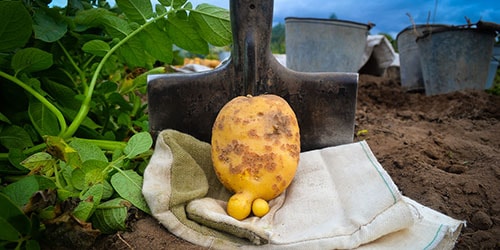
455, 59
409, 58
324, 45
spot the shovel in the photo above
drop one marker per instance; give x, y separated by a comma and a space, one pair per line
324, 103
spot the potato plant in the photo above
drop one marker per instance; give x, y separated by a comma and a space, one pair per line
73, 118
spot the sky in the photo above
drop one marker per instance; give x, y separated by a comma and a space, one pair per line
389, 16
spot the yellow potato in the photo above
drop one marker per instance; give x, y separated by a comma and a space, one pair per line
255, 149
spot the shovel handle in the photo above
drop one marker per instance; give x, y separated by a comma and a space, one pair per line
251, 22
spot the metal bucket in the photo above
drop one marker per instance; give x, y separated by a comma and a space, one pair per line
409, 59
324, 45
455, 59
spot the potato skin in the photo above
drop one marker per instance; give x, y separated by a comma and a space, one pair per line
256, 145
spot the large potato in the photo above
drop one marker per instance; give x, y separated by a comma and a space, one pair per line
255, 149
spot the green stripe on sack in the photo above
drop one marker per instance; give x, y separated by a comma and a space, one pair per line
435, 237
378, 170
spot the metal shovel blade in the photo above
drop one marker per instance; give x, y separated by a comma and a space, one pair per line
324, 103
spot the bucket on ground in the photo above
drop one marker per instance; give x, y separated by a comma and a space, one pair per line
324, 45
455, 59
409, 59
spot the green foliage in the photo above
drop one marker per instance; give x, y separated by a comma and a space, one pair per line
17, 231
15, 26
393, 41
278, 39
73, 120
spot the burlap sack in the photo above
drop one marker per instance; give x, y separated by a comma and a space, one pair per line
340, 198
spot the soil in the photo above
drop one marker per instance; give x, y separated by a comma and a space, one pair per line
442, 151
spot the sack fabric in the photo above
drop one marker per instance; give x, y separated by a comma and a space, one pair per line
340, 198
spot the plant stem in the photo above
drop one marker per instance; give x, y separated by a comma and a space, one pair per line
29, 151
112, 164
84, 109
106, 145
80, 72
42, 99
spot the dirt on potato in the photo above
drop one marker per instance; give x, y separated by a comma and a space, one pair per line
442, 151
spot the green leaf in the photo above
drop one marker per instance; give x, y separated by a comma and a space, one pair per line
91, 17
61, 93
33, 83
32, 245
78, 178
34, 232
66, 171
7, 169
44, 121
138, 11
116, 27
134, 55
44, 182
185, 35
15, 25
13, 215
94, 171
84, 210
38, 160
89, 174
88, 151
4, 118
107, 190
128, 184
160, 9
15, 137
16, 156
31, 60
48, 28
7, 231
96, 47
214, 24
174, 3
89, 202
111, 216
64, 194
124, 120
157, 43
138, 144
99, 17
22, 190
58, 147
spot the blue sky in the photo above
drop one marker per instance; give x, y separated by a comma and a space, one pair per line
390, 16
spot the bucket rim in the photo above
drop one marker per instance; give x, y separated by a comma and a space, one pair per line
455, 29
326, 20
410, 27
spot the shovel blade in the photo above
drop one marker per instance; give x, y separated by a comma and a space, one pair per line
324, 103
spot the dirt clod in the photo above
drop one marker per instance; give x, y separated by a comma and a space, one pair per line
481, 220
